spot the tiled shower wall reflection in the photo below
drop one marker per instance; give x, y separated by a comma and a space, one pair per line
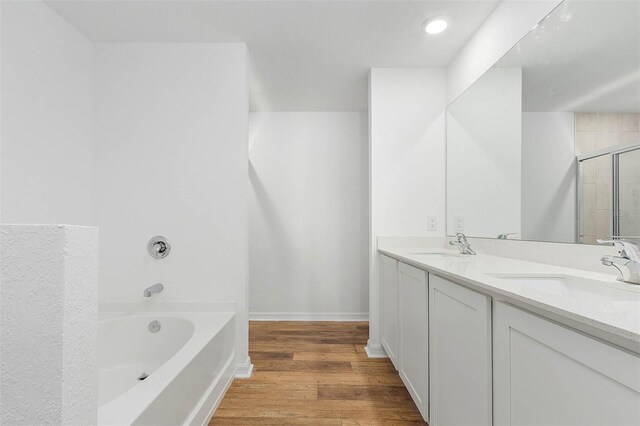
629, 204
595, 131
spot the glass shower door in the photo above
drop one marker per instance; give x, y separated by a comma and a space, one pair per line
595, 198
626, 223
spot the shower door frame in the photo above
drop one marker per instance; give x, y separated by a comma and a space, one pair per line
614, 151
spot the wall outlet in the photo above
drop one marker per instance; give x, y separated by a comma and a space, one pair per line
432, 223
458, 223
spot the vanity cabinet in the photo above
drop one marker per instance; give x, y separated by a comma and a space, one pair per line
469, 359
545, 373
414, 334
389, 291
459, 354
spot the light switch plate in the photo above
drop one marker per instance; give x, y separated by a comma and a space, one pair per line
458, 223
432, 224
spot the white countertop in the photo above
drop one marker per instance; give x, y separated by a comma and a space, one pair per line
594, 299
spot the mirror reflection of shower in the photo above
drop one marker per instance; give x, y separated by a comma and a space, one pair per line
608, 191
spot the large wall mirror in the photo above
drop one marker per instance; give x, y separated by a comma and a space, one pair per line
545, 145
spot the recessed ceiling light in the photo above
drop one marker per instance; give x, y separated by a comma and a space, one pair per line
435, 25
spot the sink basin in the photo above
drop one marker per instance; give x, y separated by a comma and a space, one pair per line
565, 286
436, 254
540, 280
553, 283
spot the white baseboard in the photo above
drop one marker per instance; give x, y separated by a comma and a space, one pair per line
375, 351
308, 316
244, 369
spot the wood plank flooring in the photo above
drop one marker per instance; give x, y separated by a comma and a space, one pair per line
316, 373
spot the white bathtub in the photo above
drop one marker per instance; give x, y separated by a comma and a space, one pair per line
189, 362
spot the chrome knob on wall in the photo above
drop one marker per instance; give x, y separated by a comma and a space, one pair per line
159, 247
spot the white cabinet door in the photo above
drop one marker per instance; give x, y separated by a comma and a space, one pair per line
414, 335
389, 291
459, 354
547, 374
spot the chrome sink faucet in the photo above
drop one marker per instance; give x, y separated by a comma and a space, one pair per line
156, 288
462, 244
628, 263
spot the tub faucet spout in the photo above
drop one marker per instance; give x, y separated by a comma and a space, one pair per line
156, 288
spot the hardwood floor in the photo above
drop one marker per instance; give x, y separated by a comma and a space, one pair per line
316, 373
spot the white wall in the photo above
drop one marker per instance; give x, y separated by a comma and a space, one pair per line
49, 323
548, 177
407, 164
49, 273
484, 146
509, 22
308, 215
171, 125
46, 150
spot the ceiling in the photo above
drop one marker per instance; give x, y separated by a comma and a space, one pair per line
584, 57
306, 55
